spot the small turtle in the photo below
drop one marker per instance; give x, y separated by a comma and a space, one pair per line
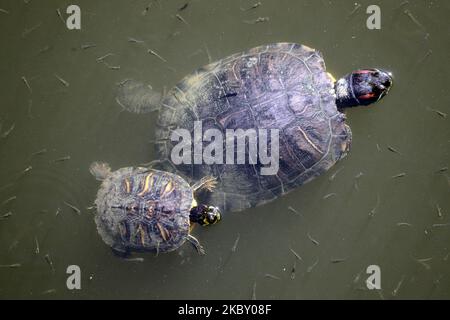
281, 86
142, 209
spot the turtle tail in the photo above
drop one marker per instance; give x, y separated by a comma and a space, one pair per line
136, 97
100, 170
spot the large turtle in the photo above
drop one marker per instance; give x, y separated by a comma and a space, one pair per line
141, 209
281, 86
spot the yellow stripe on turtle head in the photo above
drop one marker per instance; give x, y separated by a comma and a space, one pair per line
333, 79
147, 184
127, 185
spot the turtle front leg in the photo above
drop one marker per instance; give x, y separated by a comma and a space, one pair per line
208, 183
194, 241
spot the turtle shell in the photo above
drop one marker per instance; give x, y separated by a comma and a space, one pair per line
140, 209
281, 86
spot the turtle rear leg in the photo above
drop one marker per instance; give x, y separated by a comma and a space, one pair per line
100, 170
208, 183
194, 241
136, 97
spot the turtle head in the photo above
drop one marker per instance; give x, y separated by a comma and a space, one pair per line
205, 215
362, 87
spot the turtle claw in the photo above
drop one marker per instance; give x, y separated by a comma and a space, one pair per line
193, 240
208, 183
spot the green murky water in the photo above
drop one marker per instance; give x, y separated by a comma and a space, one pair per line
405, 236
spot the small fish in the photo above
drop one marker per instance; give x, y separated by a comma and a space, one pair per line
413, 19
392, 149
311, 267
333, 176
313, 240
254, 6
44, 49
397, 288
49, 291
338, 260
378, 147
28, 31
58, 12
14, 265
293, 210
404, 224
39, 152
271, 276
296, 254
87, 46
207, 53
441, 170
57, 212
27, 84
6, 215
424, 263
71, 206
147, 9
254, 291
8, 132
156, 55
139, 259
4, 11
24, 171
8, 200
114, 67
439, 211
293, 270
181, 19
357, 278
133, 40
425, 57
440, 225
37, 250
49, 261
183, 7
100, 59
355, 9
233, 249
64, 82
65, 158
400, 175
327, 196
439, 113
258, 20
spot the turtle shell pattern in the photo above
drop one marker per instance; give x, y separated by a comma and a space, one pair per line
280, 86
140, 209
